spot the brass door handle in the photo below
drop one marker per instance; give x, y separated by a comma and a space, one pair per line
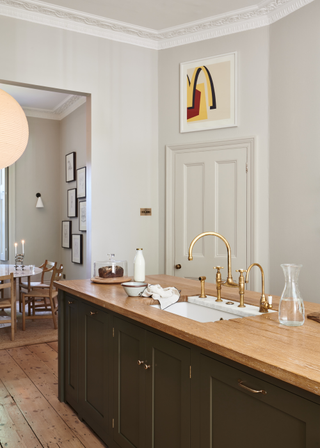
178, 266
249, 389
140, 362
147, 366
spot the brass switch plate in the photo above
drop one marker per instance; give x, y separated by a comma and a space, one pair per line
145, 212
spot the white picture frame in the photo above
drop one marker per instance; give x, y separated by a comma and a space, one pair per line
208, 90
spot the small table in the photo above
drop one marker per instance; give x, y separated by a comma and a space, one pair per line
6, 269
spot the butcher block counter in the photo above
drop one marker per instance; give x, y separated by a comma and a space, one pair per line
290, 354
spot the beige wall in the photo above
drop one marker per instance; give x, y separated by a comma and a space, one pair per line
72, 132
252, 48
123, 83
295, 148
38, 171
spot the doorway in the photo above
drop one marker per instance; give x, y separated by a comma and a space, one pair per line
209, 188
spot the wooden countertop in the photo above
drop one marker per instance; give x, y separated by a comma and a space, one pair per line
291, 354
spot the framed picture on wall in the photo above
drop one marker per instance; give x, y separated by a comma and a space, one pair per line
72, 211
66, 234
76, 253
71, 167
81, 182
208, 93
83, 216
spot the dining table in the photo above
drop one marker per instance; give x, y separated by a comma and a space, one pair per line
18, 272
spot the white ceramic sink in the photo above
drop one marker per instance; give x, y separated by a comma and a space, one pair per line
198, 312
208, 310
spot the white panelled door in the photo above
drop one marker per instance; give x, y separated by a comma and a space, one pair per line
210, 193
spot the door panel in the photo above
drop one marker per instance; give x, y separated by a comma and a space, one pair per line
71, 351
210, 195
168, 385
95, 372
129, 385
232, 416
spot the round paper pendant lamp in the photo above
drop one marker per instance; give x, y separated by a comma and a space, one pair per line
14, 130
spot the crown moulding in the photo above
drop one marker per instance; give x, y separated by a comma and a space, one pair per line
263, 14
64, 109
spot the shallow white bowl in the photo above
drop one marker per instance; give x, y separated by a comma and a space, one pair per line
134, 289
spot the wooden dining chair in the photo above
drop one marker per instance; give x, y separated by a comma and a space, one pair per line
46, 267
41, 300
7, 281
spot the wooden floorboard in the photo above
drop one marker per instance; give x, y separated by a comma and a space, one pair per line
29, 404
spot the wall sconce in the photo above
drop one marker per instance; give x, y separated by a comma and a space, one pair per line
39, 203
14, 130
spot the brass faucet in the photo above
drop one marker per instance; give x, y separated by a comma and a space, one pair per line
264, 305
229, 282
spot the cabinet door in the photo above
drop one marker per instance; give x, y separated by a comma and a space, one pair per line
94, 372
167, 393
71, 361
129, 388
256, 415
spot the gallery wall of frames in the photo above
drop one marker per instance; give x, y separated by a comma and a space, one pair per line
75, 224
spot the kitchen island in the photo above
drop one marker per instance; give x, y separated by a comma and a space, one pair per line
129, 370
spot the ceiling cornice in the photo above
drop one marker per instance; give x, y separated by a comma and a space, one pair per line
264, 13
60, 112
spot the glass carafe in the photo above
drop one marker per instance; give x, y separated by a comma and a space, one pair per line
291, 307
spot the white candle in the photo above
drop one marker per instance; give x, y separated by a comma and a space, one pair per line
15, 248
22, 243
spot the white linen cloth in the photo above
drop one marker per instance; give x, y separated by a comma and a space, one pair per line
166, 296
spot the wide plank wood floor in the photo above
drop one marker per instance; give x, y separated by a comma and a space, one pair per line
31, 416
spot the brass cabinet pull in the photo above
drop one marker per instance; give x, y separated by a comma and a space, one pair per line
140, 362
69, 302
146, 366
92, 313
254, 391
178, 266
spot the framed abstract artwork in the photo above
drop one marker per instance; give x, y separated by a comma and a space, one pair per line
208, 93
71, 167
81, 182
72, 211
76, 256
66, 234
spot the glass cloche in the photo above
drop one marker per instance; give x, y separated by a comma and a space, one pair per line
111, 268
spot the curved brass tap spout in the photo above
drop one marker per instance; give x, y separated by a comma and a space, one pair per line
229, 281
264, 306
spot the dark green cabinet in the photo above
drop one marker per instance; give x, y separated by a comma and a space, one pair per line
238, 409
94, 368
134, 388
71, 350
152, 387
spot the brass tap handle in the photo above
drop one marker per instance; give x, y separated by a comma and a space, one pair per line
241, 287
202, 284
218, 282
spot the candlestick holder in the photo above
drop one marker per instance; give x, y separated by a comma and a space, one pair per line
19, 258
